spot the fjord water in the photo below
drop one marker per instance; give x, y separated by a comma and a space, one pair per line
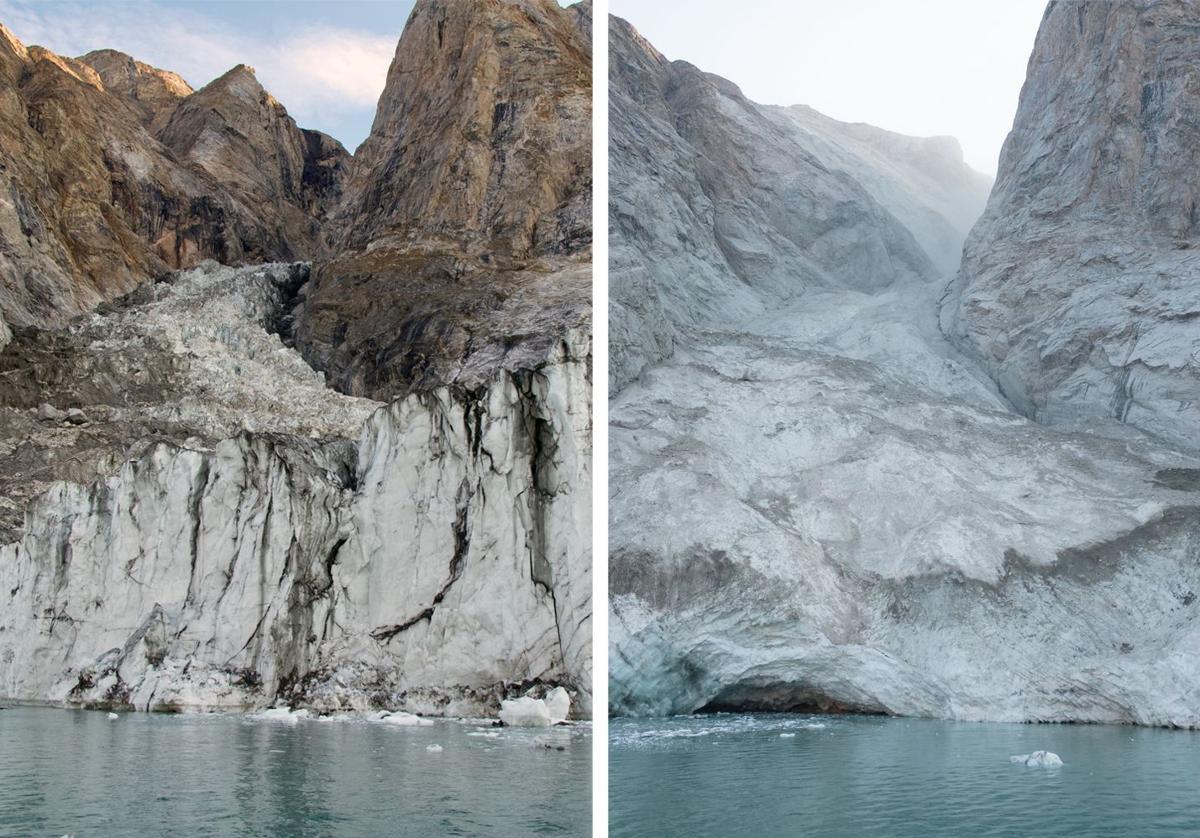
827, 776
77, 773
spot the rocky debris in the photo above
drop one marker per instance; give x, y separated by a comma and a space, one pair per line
49, 413
823, 505
1078, 290
190, 358
92, 204
462, 245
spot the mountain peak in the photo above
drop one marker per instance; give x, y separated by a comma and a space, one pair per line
152, 92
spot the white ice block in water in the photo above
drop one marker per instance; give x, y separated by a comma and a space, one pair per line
1037, 759
787, 736
536, 712
281, 714
402, 719
558, 702
112, 717
434, 749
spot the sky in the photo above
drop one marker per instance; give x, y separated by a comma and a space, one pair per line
920, 67
325, 60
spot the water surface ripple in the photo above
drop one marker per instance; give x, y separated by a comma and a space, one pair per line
790, 775
76, 772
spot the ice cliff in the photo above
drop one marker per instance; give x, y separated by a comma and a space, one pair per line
819, 501
218, 491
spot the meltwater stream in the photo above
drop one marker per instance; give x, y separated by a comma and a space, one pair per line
831, 776
77, 773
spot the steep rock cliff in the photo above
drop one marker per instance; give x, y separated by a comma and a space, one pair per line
464, 237
1080, 286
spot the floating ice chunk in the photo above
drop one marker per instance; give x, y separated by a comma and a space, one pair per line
558, 702
1037, 759
486, 734
434, 749
402, 719
525, 712
112, 717
281, 714
787, 736
536, 712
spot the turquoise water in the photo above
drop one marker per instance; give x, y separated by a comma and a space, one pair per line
76, 772
728, 775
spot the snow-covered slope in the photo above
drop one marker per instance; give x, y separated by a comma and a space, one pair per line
818, 501
722, 209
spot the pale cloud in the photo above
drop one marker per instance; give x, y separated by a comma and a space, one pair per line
328, 77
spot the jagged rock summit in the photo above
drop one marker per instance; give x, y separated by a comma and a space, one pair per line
154, 93
109, 181
469, 207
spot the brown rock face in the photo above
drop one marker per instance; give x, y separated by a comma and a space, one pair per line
463, 241
152, 92
236, 131
92, 204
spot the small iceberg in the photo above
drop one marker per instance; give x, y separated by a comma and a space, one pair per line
434, 749
286, 715
787, 736
112, 717
536, 712
402, 719
1038, 759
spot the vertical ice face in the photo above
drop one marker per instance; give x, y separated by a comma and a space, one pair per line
438, 559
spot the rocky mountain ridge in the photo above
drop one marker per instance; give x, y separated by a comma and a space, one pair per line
104, 193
